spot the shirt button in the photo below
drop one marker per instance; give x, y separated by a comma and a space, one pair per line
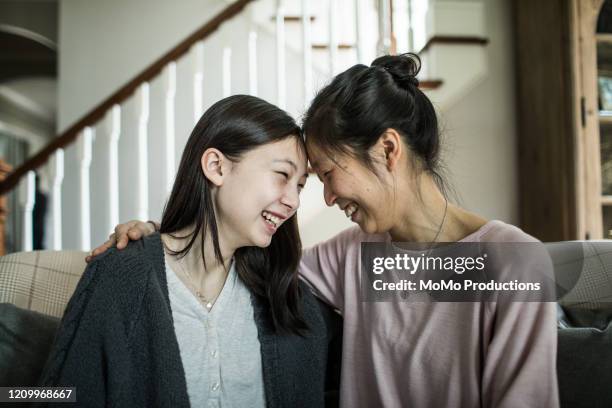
215, 386
213, 353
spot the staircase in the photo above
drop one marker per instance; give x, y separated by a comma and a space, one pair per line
118, 161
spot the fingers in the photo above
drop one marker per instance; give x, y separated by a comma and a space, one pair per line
123, 240
135, 233
121, 234
97, 251
124, 233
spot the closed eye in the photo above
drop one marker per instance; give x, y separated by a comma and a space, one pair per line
285, 175
324, 175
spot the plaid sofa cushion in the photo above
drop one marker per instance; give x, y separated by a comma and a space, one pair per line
583, 274
42, 281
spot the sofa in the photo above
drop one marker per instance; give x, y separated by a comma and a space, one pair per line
583, 272
36, 286
34, 290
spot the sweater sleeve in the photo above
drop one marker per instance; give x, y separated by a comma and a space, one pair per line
520, 362
520, 367
83, 352
322, 267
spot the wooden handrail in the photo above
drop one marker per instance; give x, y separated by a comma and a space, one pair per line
97, 113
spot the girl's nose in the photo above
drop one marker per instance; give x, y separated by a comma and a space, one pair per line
291, 199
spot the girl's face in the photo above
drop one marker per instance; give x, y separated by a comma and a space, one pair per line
364, 197
260, 192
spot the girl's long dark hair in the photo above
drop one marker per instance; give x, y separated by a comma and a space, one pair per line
234, 126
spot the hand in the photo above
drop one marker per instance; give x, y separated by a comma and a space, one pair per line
124, 233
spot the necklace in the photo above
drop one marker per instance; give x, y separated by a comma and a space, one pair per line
404, 294
441, 224
208, 303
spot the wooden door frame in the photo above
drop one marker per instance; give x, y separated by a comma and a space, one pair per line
584, 14
558, 123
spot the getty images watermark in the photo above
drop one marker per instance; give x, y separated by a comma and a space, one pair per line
473, 272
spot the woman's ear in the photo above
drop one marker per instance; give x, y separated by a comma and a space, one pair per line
390, 147
214, 166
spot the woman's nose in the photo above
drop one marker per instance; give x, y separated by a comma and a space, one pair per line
328, 195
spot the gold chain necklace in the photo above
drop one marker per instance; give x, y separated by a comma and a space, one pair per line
208, 303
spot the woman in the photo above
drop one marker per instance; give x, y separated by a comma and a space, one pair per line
210, 311
372, 138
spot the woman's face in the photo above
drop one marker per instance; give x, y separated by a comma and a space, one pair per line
364, 197
260, 192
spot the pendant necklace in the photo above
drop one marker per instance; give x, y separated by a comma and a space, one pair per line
404, 294
207, 303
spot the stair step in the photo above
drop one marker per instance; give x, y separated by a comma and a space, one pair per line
294, 19
452, 39
341, 46
429, 84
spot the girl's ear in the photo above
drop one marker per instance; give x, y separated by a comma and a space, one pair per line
215, 166
389, 147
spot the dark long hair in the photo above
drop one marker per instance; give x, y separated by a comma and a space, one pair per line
234, 126
351, 113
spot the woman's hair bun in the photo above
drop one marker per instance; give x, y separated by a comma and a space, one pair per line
403, 68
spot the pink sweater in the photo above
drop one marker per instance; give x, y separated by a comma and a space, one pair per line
408, 354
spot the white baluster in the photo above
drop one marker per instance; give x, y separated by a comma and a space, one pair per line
253, 63
227, 72
198, 81
143, 165
113, 129
410, 29
27, 192
280, 55
358, 32
384, 44
333, 38
84, 156
401, 25
56, 175
307, 51
170, 85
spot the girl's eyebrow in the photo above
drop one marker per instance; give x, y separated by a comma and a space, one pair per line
286, 161
291, 163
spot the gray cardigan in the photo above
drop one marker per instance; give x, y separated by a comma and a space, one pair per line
117, 344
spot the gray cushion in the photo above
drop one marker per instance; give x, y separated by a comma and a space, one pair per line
584, 365
25, 341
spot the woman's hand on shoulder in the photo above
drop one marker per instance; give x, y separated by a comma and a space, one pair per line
124, 233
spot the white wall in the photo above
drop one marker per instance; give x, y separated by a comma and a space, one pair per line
105, 43
480, 130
